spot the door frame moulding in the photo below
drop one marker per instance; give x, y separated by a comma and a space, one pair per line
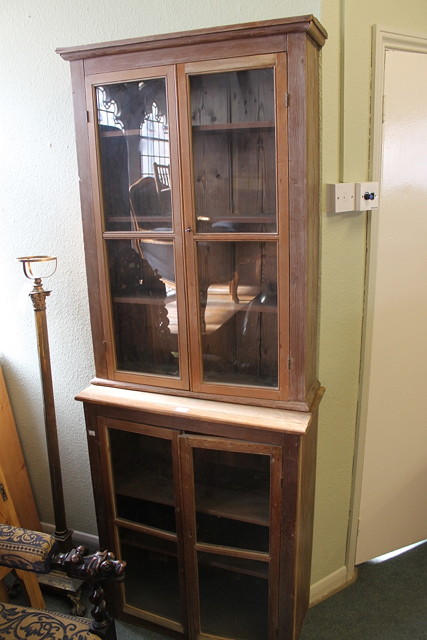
383, 39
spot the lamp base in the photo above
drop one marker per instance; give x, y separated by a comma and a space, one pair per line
58, 582
64, 540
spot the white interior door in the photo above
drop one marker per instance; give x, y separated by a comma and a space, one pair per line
393, 507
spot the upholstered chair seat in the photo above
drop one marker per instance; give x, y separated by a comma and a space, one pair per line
37, 552
18, 622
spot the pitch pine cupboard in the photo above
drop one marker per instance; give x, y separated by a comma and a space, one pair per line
199, 172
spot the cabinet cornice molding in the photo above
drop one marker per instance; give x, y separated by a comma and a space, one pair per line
308, 24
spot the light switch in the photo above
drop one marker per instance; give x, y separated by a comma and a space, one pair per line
340, 197
366, 196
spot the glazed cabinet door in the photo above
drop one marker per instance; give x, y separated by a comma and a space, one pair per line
232, 496
190, 193
233, 128
137, 204
143, 481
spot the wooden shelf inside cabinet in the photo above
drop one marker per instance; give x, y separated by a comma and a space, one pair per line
235, 217
149, 487
141, 232
257, 568
235, 504
233, 126
119, 133
138, 540
145, 300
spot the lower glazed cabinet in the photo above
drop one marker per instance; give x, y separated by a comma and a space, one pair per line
211, 505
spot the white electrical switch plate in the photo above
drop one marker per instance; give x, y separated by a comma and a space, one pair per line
340, 197
366, 196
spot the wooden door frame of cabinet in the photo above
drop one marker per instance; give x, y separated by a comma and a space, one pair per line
188, 442
198, 386
109, 522
102, 236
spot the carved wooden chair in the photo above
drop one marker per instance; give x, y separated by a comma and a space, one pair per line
163, 187
217, 263
36, 552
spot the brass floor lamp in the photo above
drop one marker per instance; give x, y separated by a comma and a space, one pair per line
36, 268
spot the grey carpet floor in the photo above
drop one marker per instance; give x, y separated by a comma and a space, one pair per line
388, 601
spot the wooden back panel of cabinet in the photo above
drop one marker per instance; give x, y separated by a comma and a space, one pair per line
298, 41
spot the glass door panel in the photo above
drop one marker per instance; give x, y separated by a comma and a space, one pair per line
144, 305
238, 312
233, 599
134, 155
137, 171
143, 479
152, 577
233, 150
232, 498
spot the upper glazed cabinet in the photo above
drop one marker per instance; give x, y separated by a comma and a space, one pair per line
199, 173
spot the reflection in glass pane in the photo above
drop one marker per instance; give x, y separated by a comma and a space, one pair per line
152, 576
142, 478
143, 295
135, 159
232, 492
233, 599
234, 152
238, 310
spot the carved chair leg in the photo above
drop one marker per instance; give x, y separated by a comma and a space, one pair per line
102, 624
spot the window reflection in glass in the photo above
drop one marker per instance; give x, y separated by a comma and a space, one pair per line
135, 155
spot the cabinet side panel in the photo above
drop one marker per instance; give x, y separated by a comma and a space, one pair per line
86, 199
304, 529
303, 130
313, 212
297, 529
100, 481
291, 457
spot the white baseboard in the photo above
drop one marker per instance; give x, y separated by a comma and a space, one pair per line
79, 537
328, 585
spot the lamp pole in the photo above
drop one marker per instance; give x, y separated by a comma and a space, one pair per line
32, 265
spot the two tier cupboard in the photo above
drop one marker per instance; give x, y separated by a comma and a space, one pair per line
199, 176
